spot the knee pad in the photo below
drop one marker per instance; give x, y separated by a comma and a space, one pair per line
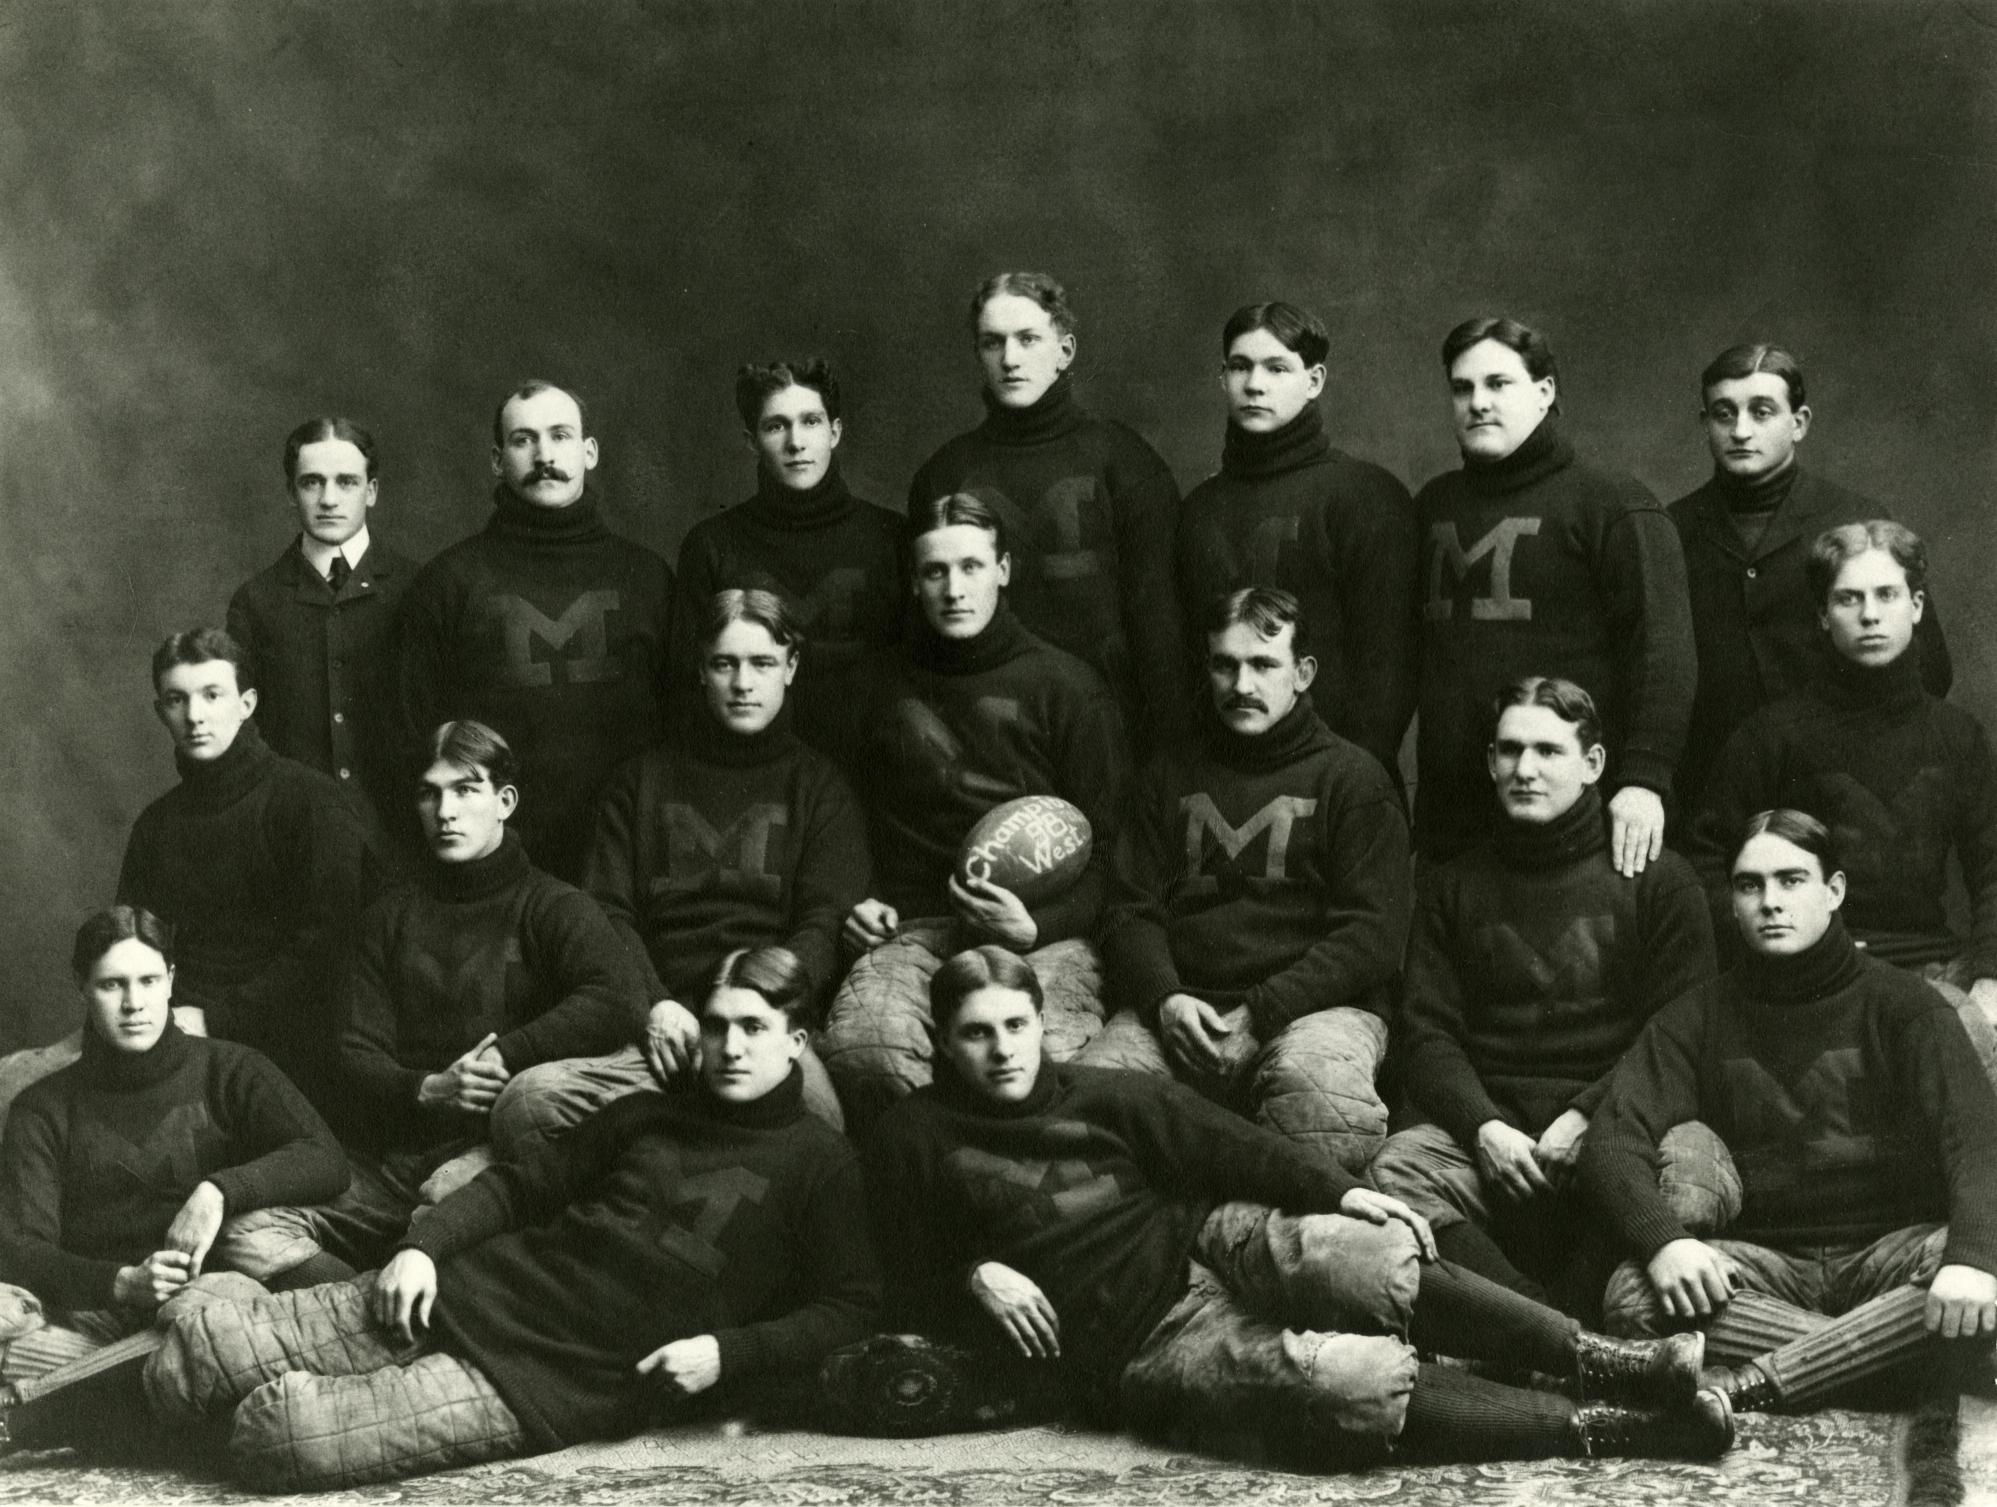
1697, 1176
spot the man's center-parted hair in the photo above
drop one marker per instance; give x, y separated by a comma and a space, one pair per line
756, 385
1298, 328
1738, 361
534, 387
767, 610
954, 509
1831, 549
102, 930
468, 745
1530, 344
1266, 609
1038, 286
1796, 827
987, 967
774, 972
1566, 700
197, 646
312, 431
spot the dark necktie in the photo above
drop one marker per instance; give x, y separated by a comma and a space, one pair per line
336, 577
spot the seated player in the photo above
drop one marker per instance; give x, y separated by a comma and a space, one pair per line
117, 1172
1290, 509
1534, 963
259, 864
835, 559
1205, 1280
972, 712
732, 835
478, 966
1864, 1136
1902, 778
1260, 909
674, 1246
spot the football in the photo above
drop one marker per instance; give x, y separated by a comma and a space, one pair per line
1036, 846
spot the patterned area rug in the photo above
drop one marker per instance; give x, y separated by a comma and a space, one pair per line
1834, 1457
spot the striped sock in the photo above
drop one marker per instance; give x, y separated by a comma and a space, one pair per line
1872, 1338
1752, 1324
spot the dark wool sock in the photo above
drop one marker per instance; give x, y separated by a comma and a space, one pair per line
1453, 1415
1460, 1313
313, 1271
1471, 1247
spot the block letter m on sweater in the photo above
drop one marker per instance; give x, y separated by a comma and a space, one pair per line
578, 640
1203, 820
1445, 548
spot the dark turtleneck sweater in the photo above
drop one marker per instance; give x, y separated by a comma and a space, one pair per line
1901, 779
556, 632
1270, 871
954, 728
662, 1217
98, 1158
261, 866
1540, 564
1090, 511
717, 840
1846, 1090
1339, 533
462, 949
840, 565
1754, 618
1533, 966
1094, 1186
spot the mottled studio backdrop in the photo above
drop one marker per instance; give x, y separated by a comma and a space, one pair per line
219, 218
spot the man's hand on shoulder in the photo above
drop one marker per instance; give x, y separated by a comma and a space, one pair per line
1020, 1308
672, 1040
1691, 1279
192, 1019
1962, 1303
1636, 829
686, 1366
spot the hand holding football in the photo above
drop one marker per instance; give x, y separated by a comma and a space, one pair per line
1036, 846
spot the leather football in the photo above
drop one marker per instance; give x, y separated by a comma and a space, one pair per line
1036, 846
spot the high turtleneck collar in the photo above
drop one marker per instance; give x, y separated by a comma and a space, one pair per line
479, 877
1568, 838
961, 1095
1002, 639
777, 506
1538, 456
1756, 494
779, 1106
712, 743
1301, 442
1300, 732
107, 1067
223, 781
554, 528
1050, 416
1883, 686
1818, 971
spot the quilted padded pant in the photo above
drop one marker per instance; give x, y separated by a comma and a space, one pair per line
1315, 1082
876, 1043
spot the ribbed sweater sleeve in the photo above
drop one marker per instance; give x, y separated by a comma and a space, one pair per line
1950, 1088
566, 938
368, 1019
1976, 848
834, 872
1653, 1088
1437, 1069
1137, 948
1145, 507
31, 1253
289, 1155
610, 870
1089, 766
923, 1264
1641, 576
1183, 1141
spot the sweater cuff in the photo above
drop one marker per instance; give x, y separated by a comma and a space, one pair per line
744, 1352
1650, 1230
1641, 767
241, 1191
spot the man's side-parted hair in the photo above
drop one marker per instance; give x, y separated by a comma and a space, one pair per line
1266, 609
1834, 546
987, 967
1566, 700
1738, 361
1038, 286
197, 646
312, 431
748, 605
756, 385
1531, 345
1299, 329
773, 972
465, 744
533, 387
1797, 827
952, 509
105, 929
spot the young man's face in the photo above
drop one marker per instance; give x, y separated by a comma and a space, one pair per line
1538, 764
1256, 681
745, 673
1782, 902
993, 1042
128, 995
203, 708
1267, 383
746, 1046
1020, 349
1498, 402
1870, 614
794, 438
1750, 427
332, 490
463, 815
543, 457
959, 574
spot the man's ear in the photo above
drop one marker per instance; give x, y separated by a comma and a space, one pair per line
497, 470
1317, 377
249, 700
590, 453
1306, 671
1593, 762
1836, 885
509, 800
1005, 568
